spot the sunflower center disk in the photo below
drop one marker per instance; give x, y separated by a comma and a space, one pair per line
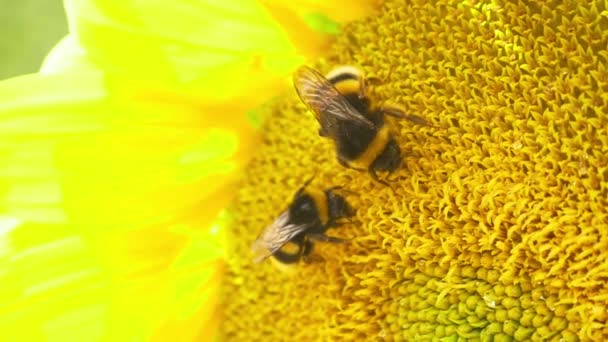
495, 227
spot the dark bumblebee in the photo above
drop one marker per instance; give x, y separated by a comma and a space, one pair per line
348, 117
311, 213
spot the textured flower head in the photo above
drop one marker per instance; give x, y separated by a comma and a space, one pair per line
493, 230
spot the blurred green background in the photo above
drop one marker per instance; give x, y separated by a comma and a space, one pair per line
28, 31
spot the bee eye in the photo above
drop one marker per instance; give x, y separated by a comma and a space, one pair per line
306, 207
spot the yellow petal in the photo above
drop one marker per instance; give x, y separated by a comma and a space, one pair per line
66, 56
177, 41
71, 131
240, 52
101, 197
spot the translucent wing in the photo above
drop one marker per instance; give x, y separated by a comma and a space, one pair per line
276, 236
324, 100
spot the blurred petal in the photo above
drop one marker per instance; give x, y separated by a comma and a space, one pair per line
240, 50
175, 41
66, 56
71, 136
59, 286
106, 204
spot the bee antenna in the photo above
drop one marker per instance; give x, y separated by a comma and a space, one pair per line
396, 113
309, 180
341, 189
306, 183
374, 79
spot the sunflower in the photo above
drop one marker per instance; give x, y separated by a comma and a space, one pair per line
495, 228
118, 156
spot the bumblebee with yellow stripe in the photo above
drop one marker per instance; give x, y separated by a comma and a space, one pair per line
348, 117
311, 213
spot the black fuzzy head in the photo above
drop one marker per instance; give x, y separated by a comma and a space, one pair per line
390, 158
302, 210
338, 206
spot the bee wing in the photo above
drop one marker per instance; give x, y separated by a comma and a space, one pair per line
276, 236
324, 100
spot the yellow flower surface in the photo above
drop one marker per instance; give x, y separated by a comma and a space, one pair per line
494, 228
102, 201
118, 156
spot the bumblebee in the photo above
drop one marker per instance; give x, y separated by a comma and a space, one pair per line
311, 213
347, 116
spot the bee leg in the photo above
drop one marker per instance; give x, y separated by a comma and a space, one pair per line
345, 220
333, 223
396, 113
336, 224
306, 183
305, 249
376, 79
399, 114
341, 188
374, 175
345, 164
325, 238
362, 89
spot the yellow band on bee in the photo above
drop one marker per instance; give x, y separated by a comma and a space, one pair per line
288, 269
291, 248
373, 150
356, 72
320, 200
349, 86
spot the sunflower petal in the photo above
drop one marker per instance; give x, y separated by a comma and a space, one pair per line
75, 145
100, 199
176, 41
66, 56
